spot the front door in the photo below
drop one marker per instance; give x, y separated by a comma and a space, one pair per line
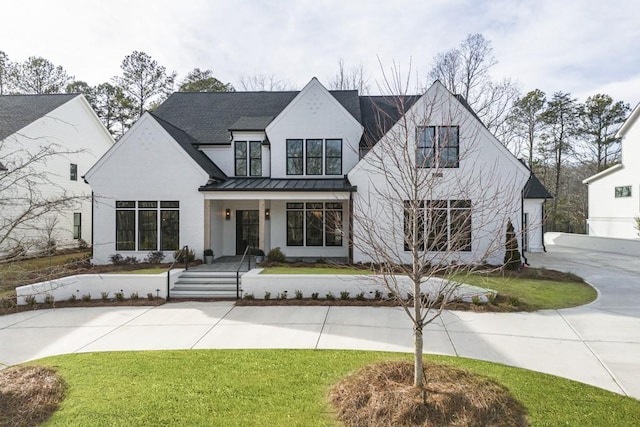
247, 230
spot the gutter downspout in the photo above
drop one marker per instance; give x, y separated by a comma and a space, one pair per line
522, 228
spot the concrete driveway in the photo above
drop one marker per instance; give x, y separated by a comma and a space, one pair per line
598, 344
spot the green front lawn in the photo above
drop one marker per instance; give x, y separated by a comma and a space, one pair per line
537, 294
281, 387
314, 270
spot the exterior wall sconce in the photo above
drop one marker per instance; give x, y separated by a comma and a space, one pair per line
227, 214
267, 214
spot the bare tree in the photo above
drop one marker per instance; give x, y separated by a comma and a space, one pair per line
144, 81
5, 73
29, 192
434, 205
38, 75
264, 82
465, 70
526, 119
600, 119
354, 78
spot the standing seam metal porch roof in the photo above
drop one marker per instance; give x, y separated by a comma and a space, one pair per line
268, 184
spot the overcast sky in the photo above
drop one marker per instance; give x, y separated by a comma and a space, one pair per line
578, 46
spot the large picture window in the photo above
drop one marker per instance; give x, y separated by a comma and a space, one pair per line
147, 225
438, 225
294, 157
314, 224
438, 147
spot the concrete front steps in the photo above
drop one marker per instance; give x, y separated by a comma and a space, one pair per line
206, 284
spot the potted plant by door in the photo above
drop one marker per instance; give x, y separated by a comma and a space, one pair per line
208, 256
259, 254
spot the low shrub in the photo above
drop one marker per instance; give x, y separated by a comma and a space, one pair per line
360, 296
179, 255
330, 296
104, 295
49, 299
155, 257
267, 295
119, 296
134, 296
344, 295
276, 255
315, 295
73, 298
249, 296
150, 296
475, 300
86, 297
298, 294
30, 300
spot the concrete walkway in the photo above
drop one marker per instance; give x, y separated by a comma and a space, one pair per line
598, 344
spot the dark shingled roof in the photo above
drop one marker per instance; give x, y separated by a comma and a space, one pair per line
534, 189
2, 167
208, 116
17, 111
380, 113
186, 142
268, 184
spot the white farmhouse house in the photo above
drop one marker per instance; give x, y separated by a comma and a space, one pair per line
288, 169
614, 193
47, 142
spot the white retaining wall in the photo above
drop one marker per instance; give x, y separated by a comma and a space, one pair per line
603, 244
257, 284
95, 284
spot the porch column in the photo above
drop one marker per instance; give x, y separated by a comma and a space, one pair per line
262, 223
207, 224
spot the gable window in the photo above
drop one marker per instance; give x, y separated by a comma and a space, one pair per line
147, 225
255, 158
241, 158
314, 157
248, 159
294, 157
73, 172
314, 224
77, 225
333, 157
624, 191
438, 147
438, 225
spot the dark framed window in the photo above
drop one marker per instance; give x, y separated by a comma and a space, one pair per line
333, 224
156, 225
73, 172
414, 225
624, 191
314, 224
333, 157
314, 157
446, 224
148, 229
295, 224
255, 158
438, 147
125, 226
77, 225
240, 150
294, 157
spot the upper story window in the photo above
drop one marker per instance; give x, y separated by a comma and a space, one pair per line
438, 147
73, 172
294, 157
314, 157
248, 158
624, 191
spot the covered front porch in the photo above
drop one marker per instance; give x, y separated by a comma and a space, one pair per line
306, 219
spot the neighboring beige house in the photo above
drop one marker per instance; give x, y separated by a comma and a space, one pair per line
614, 194
47, 143
287, 169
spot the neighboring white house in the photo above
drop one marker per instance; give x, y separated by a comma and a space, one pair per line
614, 193
47, 142
266, 169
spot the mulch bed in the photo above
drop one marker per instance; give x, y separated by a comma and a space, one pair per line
29, 395
383, 394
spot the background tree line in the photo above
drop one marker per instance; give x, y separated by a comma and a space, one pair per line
562, 140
